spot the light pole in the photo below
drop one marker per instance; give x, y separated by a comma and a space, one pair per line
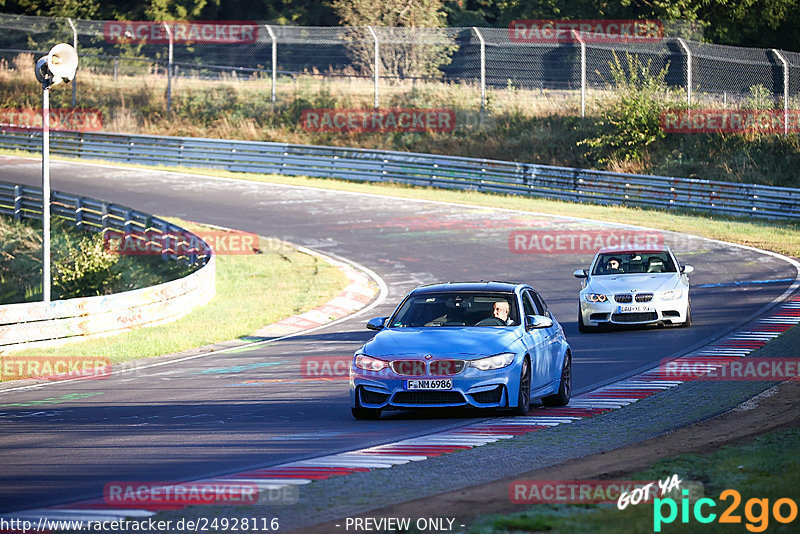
57, 67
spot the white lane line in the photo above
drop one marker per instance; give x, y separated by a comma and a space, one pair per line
405, 458
340, 462
539, 423
267, 482
601, 405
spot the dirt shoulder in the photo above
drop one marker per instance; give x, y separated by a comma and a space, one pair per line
776, 408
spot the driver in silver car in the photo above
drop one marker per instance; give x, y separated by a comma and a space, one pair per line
614, 266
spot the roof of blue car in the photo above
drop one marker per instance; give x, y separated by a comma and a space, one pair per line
467, 286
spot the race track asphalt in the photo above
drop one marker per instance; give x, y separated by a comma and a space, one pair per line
203, 417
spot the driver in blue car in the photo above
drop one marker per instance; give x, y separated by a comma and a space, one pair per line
499, 317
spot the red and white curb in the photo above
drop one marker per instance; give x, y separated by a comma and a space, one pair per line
751, 337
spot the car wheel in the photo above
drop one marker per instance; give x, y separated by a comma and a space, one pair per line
564, 388
688, 321
582, 327
524, 397
359, 412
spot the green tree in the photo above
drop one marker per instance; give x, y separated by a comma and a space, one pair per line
409, 46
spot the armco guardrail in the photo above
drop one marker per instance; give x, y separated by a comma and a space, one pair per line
562, 183
37, 323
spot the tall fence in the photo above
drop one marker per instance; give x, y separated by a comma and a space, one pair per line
562, 183
396, 59
33, 324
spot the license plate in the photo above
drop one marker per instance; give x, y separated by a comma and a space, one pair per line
443, 383
634, 309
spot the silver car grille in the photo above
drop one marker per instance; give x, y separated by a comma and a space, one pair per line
644, 297
623, 297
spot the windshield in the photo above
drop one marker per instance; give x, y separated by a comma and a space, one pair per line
634, 262
457, 309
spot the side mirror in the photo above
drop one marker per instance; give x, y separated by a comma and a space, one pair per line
537, 321
376, 323
581, 273
687, 269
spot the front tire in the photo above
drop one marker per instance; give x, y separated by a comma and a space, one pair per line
688, 321
524, 395
561, 398
582, 327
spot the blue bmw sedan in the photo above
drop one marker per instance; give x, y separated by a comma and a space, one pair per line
468, 344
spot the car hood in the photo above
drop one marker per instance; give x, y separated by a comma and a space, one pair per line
624, 283
466, 342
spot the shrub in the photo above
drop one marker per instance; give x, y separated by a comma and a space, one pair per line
631, 118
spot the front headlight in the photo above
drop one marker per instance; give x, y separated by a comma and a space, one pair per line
493, 362
595, 297
672, 294
368, 363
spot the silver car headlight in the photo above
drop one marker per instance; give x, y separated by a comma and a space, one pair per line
672, 294
368, 363
493, 362
595, 297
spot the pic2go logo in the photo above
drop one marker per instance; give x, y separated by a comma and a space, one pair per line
756, 511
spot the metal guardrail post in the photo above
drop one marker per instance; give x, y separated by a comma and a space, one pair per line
79, 212
274, 63
75, 79
169, 69
376, 68
785, 91
17, 203
104, 217
688, 71
483, 67
577, 37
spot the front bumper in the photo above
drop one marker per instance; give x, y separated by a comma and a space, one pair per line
471, 388
661, 312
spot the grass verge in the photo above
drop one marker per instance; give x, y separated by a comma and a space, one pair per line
764, 468
251, 291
